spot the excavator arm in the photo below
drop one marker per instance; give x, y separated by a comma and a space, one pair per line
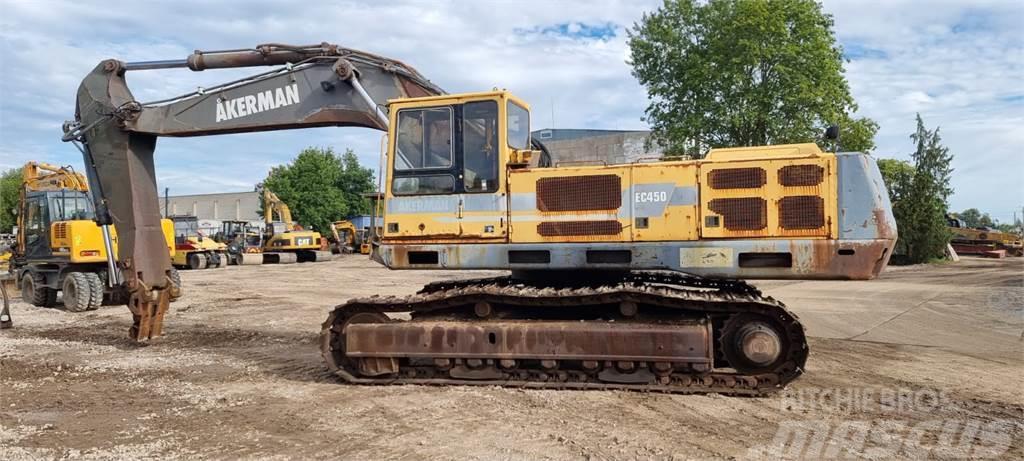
272, 204
38, 176
316, 85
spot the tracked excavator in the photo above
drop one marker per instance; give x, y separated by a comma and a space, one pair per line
283, 242
621, 276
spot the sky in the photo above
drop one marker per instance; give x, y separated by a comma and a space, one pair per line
959, 64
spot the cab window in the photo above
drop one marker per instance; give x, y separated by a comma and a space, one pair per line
68, 207
480, 146
423, 152
424, 139
423, 185
34, 221
518, 126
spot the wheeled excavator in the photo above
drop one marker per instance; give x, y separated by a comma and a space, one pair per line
621, 276
60, 249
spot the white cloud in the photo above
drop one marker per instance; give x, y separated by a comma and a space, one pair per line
958, 64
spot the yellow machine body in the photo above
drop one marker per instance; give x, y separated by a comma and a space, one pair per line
786, 211
82, 240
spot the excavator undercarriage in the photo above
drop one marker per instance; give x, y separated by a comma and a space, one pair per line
660, 331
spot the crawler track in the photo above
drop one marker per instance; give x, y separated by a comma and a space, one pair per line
664, 299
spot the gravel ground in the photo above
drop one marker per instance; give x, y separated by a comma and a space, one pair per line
925, 361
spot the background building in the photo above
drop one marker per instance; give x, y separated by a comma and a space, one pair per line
235, 206
571, 146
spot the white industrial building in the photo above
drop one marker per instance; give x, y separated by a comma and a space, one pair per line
227, 206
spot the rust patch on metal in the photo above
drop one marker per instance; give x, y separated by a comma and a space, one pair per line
737, 178
566, 228
746, 213
801, 175
531, 340
882, 225
801, 212
579, 193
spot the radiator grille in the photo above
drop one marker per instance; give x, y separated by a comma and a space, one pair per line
801, 175
747, 213
579, 193
567, 228
60, 230
801, 212
737, 178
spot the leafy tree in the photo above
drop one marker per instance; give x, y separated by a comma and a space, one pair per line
354, 182
1014, 228
743, 72
974, 218
10, 184
320, 187
921, 210
898, 176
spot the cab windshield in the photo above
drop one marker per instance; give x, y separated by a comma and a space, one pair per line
185, 229
70, 206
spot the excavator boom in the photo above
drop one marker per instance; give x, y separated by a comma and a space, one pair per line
318, 85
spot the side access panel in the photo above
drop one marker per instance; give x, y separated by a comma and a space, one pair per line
663, 199
581, 204
769, 198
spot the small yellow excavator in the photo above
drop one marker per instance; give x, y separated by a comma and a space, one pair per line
61, 249
284, 242
349, 239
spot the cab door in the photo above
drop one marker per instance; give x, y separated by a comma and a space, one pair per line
483, 206
37, 227
444, 174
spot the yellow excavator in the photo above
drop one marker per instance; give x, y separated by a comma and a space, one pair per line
60, 249
621, 276
284, 241
348, 239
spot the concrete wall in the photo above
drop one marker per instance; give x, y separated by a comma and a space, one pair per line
240, 206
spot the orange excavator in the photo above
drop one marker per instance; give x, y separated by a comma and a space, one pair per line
621, 276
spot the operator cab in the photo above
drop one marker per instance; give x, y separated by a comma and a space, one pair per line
447, 157
43, 208
185, 228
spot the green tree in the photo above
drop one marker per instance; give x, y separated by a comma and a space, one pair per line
741, 73
898, 176
354, 182
921, 211
320, 186
1014, 228
974, 218
10, 185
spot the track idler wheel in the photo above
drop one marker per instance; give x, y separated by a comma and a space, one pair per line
333, 342
754, 344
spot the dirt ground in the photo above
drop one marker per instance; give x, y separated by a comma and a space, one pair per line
925, 361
